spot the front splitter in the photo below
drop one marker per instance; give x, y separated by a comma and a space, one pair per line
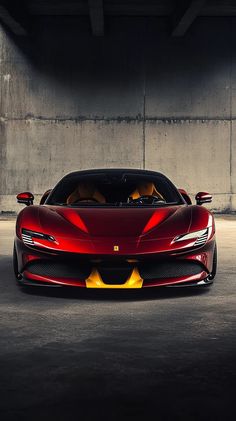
94, 281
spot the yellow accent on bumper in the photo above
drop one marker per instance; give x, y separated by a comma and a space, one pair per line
95, 281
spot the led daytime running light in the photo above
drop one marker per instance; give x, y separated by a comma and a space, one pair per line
28, 235
192, 235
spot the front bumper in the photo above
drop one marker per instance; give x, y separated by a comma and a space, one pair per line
188, 268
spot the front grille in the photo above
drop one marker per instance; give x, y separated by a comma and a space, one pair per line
168, 269
56, 269
113, 274
110, 273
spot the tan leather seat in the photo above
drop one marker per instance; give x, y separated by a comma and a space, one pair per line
146, 189
85, 191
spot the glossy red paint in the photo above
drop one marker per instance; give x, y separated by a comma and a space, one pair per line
25, 195
156, 218
106, 227
203, 197
74, 218
144, 234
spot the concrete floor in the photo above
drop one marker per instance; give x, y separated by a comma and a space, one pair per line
83, 355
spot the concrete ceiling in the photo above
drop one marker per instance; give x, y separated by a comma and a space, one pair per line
129, 7
15, 14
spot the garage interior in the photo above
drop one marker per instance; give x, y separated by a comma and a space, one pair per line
118, 84
142, 84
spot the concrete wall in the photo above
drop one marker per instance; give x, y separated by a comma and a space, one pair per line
135, 98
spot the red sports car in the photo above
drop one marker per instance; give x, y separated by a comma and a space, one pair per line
115, 228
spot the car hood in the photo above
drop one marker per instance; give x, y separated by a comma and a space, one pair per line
110, 222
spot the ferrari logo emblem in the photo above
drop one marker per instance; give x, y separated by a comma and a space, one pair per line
116, 248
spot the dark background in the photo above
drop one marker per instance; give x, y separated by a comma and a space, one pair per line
141, 84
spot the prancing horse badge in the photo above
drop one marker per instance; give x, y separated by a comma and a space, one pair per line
116, 248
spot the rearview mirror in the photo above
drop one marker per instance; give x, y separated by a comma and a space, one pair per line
27, 198
203, 197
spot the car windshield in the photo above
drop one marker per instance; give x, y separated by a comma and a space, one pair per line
114, 189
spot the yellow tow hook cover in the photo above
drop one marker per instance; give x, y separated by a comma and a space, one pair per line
95, 281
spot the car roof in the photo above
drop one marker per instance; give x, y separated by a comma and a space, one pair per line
115, 171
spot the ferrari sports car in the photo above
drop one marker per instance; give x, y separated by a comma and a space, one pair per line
115, 228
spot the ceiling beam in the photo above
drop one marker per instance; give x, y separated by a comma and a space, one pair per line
12, 21
96, 17
185, 16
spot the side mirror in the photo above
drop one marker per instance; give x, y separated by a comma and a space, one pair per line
185, 196
45, 196
203, 197
27, 198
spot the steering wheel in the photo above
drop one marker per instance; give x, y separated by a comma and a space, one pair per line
86, 199
146, 199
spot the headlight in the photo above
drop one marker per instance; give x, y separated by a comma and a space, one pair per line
28, 236
200, 236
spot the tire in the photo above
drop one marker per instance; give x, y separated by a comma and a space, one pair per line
214, 266
15, 265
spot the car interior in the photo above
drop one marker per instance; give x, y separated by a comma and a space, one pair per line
113, 190
88, 192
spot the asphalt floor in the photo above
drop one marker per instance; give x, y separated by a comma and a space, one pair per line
156, 354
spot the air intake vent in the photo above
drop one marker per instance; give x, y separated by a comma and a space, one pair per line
168, 269
71, 268
115, 274
201, 240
